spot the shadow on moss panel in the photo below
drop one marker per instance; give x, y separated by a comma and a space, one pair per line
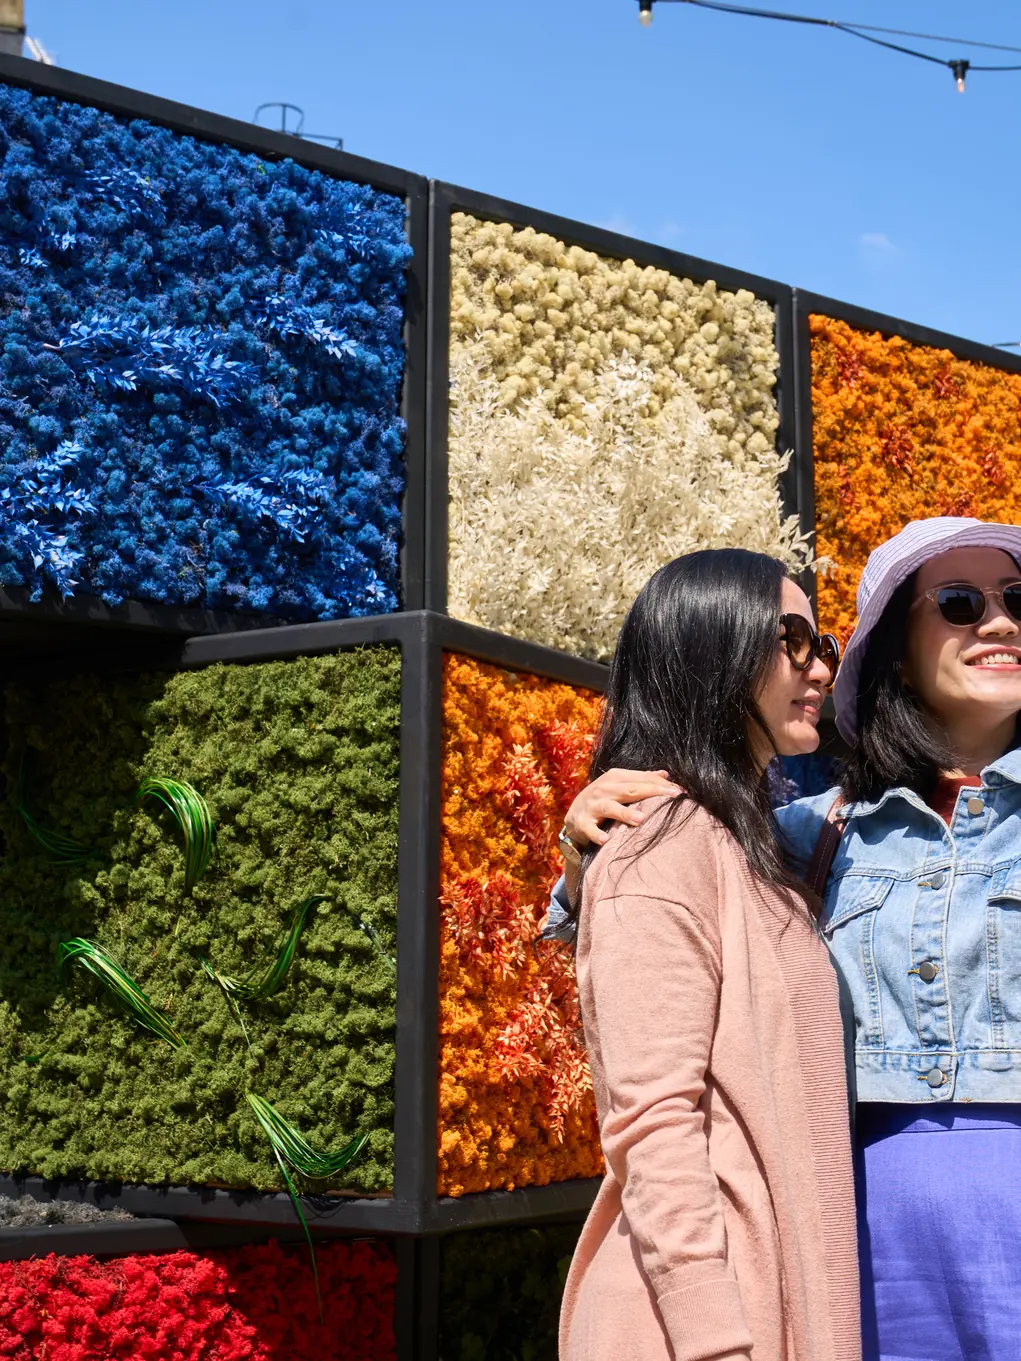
501, 1291
299, 764
200, 370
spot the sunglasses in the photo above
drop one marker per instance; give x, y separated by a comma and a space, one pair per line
804, 645
963, 605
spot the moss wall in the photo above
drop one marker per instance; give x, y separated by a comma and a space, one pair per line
298, 761
515, 1099
605, 417
501, 1292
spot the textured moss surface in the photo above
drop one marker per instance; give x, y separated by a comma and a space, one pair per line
299, 763
501, 1292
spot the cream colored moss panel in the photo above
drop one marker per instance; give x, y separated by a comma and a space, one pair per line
605, 417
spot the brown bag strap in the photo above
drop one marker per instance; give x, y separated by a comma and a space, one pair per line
825, 849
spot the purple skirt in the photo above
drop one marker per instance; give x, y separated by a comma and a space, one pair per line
939, 1232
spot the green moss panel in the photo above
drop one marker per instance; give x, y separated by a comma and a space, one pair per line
501, 1291
298, 762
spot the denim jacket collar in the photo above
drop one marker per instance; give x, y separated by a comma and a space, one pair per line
1006, 769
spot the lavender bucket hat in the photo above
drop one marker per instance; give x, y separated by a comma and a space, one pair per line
890, 564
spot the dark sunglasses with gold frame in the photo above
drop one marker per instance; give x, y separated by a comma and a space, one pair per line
804, 645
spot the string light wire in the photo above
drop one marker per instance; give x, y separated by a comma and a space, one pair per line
958, 67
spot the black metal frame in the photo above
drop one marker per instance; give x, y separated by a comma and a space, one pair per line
805, 303
414, 1207
269, 145
119, 1238
445, 199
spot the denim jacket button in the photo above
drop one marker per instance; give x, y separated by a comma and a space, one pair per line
976, 806
936, 880
935, 1077
928, 971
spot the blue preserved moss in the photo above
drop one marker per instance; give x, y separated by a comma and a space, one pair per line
200, 371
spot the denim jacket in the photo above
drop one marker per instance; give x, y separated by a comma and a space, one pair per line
924, 922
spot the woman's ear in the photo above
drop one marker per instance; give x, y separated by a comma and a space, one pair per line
903, 670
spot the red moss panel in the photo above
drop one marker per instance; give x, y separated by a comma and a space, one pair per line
253, 1303
515, 1101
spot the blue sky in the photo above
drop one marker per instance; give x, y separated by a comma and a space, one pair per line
799, 154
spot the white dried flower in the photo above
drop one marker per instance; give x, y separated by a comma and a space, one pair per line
555, 524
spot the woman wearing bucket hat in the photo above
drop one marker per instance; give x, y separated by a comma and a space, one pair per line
921, 907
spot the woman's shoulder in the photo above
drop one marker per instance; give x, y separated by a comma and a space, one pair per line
800, 823
678, 861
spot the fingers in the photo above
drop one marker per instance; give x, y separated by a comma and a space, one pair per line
586, 829
607, 798
627, 786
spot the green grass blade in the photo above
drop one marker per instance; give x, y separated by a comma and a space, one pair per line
231, 1000
121, 985
290, 1145
191, 813
304, 1224
62, 850
258, 985
373, 935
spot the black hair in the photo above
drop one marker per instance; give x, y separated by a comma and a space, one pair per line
896, 744
693, 651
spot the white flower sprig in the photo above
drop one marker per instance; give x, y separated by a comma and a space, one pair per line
556, 524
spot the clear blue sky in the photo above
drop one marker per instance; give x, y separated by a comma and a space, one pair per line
799, 154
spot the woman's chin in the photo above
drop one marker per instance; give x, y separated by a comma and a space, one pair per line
800, 739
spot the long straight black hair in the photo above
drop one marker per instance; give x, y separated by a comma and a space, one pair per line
694, 649
897, 745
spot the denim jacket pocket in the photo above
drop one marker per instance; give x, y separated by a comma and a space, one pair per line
1005, 884
848, 923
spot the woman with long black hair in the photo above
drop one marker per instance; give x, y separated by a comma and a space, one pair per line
725, 1226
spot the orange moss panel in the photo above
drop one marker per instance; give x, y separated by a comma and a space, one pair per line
901, 432
516, 1104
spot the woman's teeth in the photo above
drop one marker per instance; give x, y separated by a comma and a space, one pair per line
997, 659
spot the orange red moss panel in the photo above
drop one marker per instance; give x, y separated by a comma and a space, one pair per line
253, 1303
902, 431
515, 1100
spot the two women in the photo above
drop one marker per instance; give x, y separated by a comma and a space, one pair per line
725, 1226
922, 913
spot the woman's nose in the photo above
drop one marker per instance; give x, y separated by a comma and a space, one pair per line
819, 672
997, 623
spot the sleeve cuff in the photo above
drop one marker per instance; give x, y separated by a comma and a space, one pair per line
706, 1322
558, 925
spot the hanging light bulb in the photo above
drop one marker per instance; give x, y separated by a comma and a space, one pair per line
960, 70
645, 12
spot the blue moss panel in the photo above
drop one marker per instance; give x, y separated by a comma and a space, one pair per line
201, 363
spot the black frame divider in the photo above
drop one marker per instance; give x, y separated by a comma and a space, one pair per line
120, 1238
414, 1207
805, 304
274, 146
445, 199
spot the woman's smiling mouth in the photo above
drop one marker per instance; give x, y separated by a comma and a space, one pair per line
999, 658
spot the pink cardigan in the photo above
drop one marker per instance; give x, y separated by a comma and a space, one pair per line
725, 1226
